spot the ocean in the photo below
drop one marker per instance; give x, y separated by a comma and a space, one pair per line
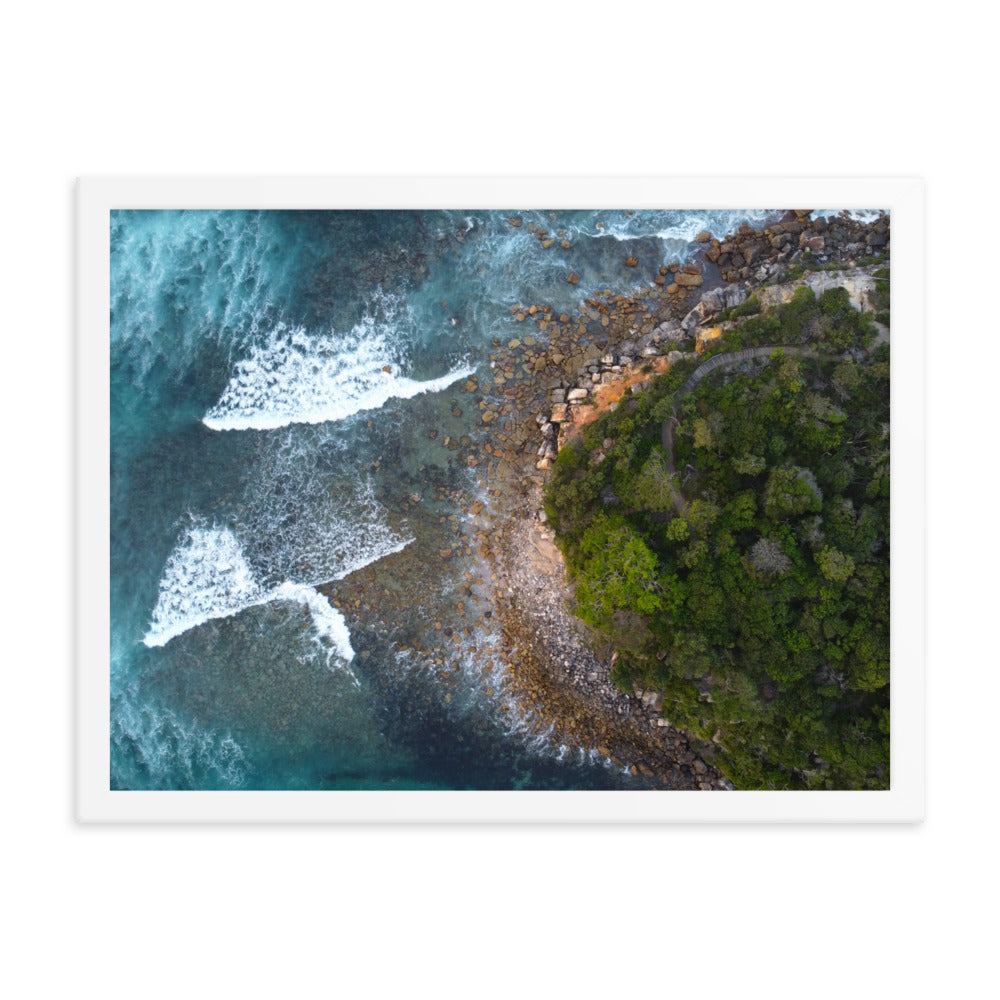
283, 385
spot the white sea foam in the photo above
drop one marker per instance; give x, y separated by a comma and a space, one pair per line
169, 751
220, 269
327, 620
718, 222
208, 577
298, 379
857, 214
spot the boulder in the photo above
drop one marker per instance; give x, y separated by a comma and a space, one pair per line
707, 337
576, 394
694, 318
684, 279
671, 330
573, 278
560, 413
703, 237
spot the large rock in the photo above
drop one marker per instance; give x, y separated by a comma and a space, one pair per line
671, 330
712, 303
560, 413
576, 394
685, 280
859, 285
707, 337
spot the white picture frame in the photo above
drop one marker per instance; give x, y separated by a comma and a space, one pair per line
902, 802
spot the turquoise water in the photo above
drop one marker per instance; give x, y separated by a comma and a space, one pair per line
273, 379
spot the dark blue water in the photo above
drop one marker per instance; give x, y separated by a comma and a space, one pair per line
278, 616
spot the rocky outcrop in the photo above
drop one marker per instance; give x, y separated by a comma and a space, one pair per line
859, 283
712, 303
755, 256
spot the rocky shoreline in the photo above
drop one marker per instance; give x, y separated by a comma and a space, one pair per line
544, 387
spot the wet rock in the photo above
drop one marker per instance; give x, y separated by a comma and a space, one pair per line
631, 261
685, 279
703, 237
516, 223
573, 278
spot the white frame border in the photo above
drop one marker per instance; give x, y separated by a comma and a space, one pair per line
903, 802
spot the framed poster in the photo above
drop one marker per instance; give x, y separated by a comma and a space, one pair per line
500, 500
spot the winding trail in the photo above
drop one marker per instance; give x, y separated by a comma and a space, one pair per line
727, 360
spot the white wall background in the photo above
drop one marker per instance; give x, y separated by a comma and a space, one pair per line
522, 88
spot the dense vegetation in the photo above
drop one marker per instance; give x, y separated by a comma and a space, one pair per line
751, 586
